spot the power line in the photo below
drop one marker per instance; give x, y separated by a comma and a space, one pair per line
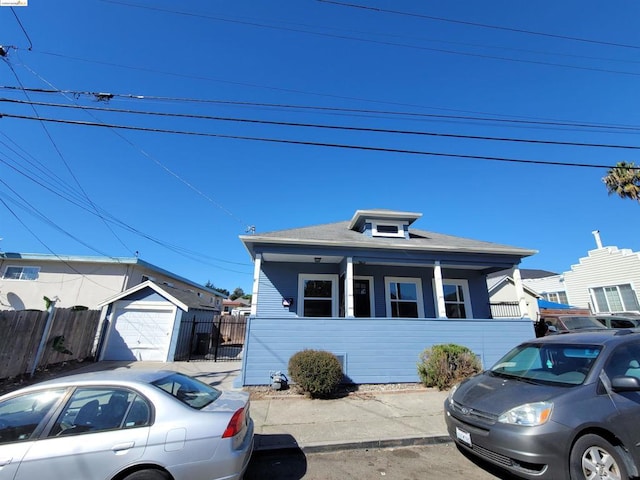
152, 158
310, 143
482, 25
66, 164
332, 127
404, 45
493, 117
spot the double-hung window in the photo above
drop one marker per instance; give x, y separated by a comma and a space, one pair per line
456, 298
21, 273
318, 295
615, 298
404, 297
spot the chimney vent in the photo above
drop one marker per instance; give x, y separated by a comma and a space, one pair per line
596, 234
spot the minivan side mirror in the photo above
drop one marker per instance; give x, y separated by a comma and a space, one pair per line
625, 384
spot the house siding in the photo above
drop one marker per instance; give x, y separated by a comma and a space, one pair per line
375, 350
603, 267
280, 280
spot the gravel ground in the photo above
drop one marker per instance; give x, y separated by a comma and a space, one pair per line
262, 392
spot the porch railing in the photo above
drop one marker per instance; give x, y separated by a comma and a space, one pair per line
505, 310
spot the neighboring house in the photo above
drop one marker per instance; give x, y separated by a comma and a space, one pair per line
229, 305
26, 278
376, 293
154, 322
550, 288
504, 298
606, 281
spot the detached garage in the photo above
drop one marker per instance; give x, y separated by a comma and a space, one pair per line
152, 322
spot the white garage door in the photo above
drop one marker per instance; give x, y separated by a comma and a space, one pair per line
140, 332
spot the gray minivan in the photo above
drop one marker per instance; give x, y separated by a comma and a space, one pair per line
560, 406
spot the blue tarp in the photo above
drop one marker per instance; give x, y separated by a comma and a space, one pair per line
542, 303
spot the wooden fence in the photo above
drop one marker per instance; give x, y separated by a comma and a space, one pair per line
23, 338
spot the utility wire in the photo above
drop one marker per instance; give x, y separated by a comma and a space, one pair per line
317, 144
492, 117
482, 25
152, 158
332, 127
66, 164
22, 27
396, 44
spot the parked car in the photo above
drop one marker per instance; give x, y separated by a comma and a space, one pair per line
560, 406
551, 324
125, 424
618, 321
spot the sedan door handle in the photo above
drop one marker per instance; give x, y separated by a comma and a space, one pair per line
5, 461
122, 446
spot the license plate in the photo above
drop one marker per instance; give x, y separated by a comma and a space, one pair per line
464, 437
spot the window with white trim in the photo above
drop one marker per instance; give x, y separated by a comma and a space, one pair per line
21, 273
317, 295
403, 296
387, 229
557, 297
456, 298
615, 298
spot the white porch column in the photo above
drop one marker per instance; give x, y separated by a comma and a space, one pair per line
437, 279
348, 289
257, 265
517, 281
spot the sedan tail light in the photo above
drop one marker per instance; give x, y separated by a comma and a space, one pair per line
236, 424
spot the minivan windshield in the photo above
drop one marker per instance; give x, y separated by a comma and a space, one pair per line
548, 363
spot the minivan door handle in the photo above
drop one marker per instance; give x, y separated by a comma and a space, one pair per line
5, 461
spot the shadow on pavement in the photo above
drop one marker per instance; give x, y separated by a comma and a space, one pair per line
279, 458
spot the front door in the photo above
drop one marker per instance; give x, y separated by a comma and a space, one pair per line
362, 296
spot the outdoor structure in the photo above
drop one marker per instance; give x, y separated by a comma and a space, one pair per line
376, 293
503, 298
79, 281
153, 322
606, 281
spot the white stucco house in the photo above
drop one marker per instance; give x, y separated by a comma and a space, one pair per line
82, 281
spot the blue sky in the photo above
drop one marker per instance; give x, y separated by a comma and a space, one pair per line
553, 72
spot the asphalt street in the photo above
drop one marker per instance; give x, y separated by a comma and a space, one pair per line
406, 463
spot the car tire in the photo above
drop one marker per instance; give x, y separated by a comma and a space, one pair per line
594, 457
148, 474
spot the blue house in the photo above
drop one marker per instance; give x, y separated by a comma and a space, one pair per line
375, 292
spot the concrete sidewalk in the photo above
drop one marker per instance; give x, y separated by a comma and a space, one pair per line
360, 420
363, 419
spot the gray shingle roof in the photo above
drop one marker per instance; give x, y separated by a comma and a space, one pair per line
339, 234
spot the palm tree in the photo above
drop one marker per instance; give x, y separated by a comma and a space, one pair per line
623, 180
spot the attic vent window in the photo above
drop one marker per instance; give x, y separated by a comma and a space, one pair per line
388, 229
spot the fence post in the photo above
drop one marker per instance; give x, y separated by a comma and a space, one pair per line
45, 336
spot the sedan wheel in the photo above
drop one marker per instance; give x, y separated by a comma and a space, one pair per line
593, 458
147, 475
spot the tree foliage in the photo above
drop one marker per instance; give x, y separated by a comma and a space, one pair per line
624, 181
237, 293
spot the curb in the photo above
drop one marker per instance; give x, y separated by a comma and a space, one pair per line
365, 444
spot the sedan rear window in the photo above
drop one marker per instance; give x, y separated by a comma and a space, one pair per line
548, 363
188, 390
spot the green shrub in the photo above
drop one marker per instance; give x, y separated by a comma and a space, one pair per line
442, 366
316, 372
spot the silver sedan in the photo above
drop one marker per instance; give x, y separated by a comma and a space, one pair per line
125, 425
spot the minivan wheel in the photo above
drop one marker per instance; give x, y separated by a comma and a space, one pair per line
592, 457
